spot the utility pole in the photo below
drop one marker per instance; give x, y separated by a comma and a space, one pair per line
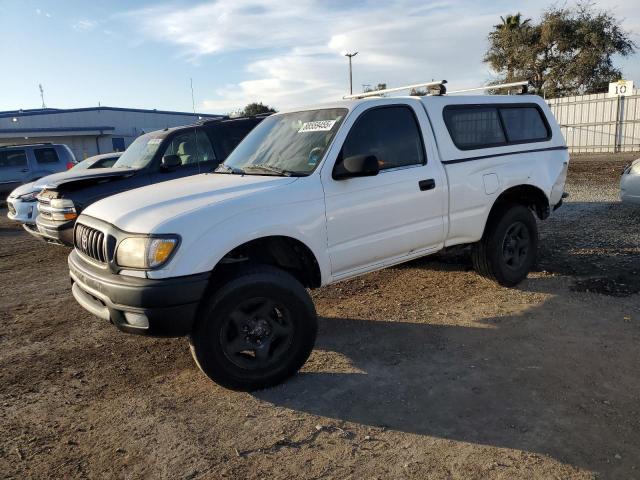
350, 55
42, 95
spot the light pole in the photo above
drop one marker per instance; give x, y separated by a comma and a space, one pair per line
350, 55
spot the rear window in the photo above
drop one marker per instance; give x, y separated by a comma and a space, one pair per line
523, 124
13, 158
474, 127
46, 155
227, 135
485, 126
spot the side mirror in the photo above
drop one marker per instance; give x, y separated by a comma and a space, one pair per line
356, 166
169, 162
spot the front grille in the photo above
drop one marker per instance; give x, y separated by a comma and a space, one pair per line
90, 242
12, 209
43, 206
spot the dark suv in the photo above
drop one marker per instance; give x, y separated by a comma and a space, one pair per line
152, 158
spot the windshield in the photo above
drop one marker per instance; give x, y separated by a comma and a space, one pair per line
83, 165
141, 151
288, 144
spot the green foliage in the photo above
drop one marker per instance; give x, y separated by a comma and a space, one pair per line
256, 109
569, 52
369, 88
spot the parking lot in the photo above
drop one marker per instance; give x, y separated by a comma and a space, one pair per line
420, 371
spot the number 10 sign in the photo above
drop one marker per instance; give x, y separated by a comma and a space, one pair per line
621, 88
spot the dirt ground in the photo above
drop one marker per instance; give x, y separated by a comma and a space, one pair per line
420, 371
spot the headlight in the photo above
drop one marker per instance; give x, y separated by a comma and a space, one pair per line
59, 209
149, 252
28, 197
635, 167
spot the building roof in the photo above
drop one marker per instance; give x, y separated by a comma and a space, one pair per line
49, 111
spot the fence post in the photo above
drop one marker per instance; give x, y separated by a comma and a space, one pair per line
619, 124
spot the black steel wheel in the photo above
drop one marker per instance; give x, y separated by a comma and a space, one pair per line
508, 248
257, 333
516, 245
256, 330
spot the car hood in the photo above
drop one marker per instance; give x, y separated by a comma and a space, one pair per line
146, 209
86, 176
23, 189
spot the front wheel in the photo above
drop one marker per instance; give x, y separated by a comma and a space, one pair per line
257, 329
507, 251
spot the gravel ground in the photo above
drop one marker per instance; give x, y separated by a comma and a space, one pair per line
420, 371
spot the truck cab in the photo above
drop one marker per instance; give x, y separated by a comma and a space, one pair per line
314, 196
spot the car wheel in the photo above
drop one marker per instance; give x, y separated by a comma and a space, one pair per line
507, 251
256, 330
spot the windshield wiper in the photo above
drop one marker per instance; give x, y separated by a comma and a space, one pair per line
270, 168
222, 168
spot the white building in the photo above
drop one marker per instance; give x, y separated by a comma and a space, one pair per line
88, 131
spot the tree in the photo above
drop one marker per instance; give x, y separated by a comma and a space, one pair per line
569, 52
255, 108
369, 88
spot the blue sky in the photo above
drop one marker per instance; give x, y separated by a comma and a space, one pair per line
142, 54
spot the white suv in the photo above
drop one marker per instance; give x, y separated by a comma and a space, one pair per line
313, 196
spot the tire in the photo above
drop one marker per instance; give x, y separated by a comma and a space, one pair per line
507, 250
256, 330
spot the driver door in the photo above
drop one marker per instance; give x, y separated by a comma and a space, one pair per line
378, 220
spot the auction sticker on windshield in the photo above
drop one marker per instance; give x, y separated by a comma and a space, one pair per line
317, 126
154, 141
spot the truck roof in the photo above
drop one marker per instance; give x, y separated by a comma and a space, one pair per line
441, 100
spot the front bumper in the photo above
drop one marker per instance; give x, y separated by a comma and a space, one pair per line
20, 211
630, 188
56, 232
167, 306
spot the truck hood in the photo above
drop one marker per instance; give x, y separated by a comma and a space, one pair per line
86, 177
146, 209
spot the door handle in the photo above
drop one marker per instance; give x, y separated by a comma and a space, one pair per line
24, 170
428, 184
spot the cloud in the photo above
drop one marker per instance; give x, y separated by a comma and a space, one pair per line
39, 12
293, 52
84, 25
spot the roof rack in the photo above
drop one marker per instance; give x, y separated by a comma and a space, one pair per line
435, 88
523, 84
438, 88
25, 144
227, 118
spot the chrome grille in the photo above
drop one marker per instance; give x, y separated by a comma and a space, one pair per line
43, 204
90, 242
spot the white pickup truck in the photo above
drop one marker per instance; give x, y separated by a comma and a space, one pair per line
310, 197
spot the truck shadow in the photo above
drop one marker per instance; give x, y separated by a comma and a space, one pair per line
597, 242
554, 380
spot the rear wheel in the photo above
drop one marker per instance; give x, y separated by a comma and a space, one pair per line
507, 251
257, 329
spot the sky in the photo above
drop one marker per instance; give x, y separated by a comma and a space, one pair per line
144, 54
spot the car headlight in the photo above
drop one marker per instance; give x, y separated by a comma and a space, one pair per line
635, 167
59, 209
28, 197
145, 252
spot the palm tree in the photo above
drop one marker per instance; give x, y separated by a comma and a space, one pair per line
512, 22
511, 25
